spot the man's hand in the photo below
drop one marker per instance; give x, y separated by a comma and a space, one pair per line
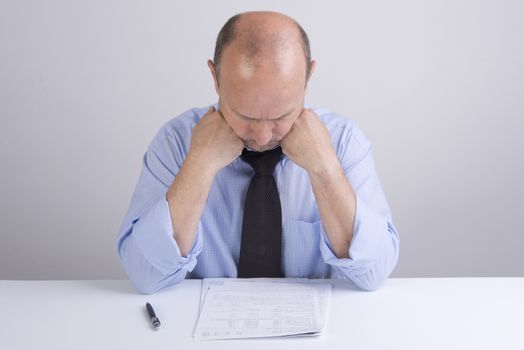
213, 143
308, 144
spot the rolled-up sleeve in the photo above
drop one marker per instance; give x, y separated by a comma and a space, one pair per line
145, 244
374, 248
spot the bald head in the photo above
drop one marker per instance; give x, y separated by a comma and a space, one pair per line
267, 39
261, 68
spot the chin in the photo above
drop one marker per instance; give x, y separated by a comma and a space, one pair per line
257, 148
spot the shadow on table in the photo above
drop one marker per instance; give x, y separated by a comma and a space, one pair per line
116, 286
126, 287
121, 287
342, 284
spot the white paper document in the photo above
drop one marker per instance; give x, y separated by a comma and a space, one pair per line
232, 308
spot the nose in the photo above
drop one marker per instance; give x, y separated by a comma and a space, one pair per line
262, 132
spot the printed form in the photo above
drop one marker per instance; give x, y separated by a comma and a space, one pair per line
257, 308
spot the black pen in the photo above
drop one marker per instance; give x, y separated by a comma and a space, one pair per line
154, 320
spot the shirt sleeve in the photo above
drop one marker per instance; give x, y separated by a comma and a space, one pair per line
374, 248
145, 244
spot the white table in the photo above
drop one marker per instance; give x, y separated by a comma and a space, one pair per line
439, 313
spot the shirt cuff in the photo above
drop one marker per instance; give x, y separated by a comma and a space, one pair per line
153, 233
368, 244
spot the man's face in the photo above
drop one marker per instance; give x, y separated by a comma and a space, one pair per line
260, 122
261, 105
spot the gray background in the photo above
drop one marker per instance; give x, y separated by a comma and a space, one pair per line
438, 87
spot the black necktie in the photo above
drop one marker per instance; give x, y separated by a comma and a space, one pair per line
260, 247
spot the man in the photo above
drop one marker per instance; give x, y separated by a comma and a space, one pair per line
203, 206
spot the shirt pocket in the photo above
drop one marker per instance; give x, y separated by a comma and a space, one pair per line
301, 250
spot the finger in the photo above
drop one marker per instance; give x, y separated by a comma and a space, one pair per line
303, 112
308, 111
220, 114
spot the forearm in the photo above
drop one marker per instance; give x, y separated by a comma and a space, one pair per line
374, 244
336, 201
187, 196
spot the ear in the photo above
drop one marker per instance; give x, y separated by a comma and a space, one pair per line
311, 71
212, 68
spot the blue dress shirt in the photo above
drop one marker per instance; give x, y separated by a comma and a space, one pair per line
152, 259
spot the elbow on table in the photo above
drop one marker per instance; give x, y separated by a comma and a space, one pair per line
145, 277
366, 284
145, 289
379, 270
376, 276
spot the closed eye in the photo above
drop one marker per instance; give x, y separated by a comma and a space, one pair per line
282, 117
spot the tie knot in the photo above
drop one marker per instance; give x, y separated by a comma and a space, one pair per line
262, 162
